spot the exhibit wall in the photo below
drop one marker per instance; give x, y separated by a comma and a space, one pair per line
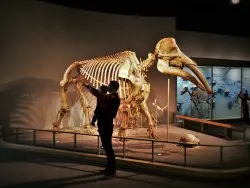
39, 40
213, 46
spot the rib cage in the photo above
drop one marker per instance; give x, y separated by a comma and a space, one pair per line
100, 71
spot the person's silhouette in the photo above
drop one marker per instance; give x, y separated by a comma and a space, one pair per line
105, 123
100, 105
244, 106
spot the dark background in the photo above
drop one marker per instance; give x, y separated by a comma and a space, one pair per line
212, 16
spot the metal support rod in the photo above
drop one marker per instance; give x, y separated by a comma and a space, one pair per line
98, 145
168, 106
241, 88
34, 137
185, 155
141, 120
123, 148
4, 133
156, 114
153, 150
16, 135
221, 156
212, 98
244, 133
54, 139
75, 141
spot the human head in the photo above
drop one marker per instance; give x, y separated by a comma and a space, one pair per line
113, 86
103, 89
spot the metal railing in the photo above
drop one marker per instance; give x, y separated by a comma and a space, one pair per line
14, 135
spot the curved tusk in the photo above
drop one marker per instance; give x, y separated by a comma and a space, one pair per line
163, 67
193, 67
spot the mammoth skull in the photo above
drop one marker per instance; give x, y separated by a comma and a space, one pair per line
172, 61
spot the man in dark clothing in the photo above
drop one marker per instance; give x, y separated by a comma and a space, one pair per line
244, 105
100, 105
105, 123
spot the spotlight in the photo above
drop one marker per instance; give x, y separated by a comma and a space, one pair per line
235, 2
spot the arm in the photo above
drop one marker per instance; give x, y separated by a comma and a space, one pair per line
93, 91
96, 92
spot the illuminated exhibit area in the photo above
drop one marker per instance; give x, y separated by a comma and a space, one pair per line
226, 82
134, 90
190, 100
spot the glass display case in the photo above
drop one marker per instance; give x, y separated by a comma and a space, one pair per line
192, 101
227, 86
226, 82
246, 81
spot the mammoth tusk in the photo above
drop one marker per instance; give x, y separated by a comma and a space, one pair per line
193, 67
164, 68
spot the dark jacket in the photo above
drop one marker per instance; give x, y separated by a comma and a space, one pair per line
111, 101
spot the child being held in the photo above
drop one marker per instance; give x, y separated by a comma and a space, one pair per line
99, 105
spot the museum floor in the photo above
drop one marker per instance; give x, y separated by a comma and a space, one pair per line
29, 169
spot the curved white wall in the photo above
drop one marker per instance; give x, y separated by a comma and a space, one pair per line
42, 39
39, 40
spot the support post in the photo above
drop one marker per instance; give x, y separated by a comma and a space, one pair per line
75, 141
212, 87
221, 156
168, 106
123, 148
98, 145
54, 139
185, 155
34, 137
153, 150
228, 133
185, 123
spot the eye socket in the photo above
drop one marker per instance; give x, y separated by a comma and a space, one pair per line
173, 49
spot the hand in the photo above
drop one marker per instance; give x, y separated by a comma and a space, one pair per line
86, 85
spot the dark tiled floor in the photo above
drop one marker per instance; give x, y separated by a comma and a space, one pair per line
27, 169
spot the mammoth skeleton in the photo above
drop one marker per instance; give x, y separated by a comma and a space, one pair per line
125, 68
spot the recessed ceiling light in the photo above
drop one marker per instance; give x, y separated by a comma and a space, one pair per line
235, 1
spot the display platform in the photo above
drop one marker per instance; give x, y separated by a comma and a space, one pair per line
200, 156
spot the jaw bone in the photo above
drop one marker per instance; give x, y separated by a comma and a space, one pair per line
171, 61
